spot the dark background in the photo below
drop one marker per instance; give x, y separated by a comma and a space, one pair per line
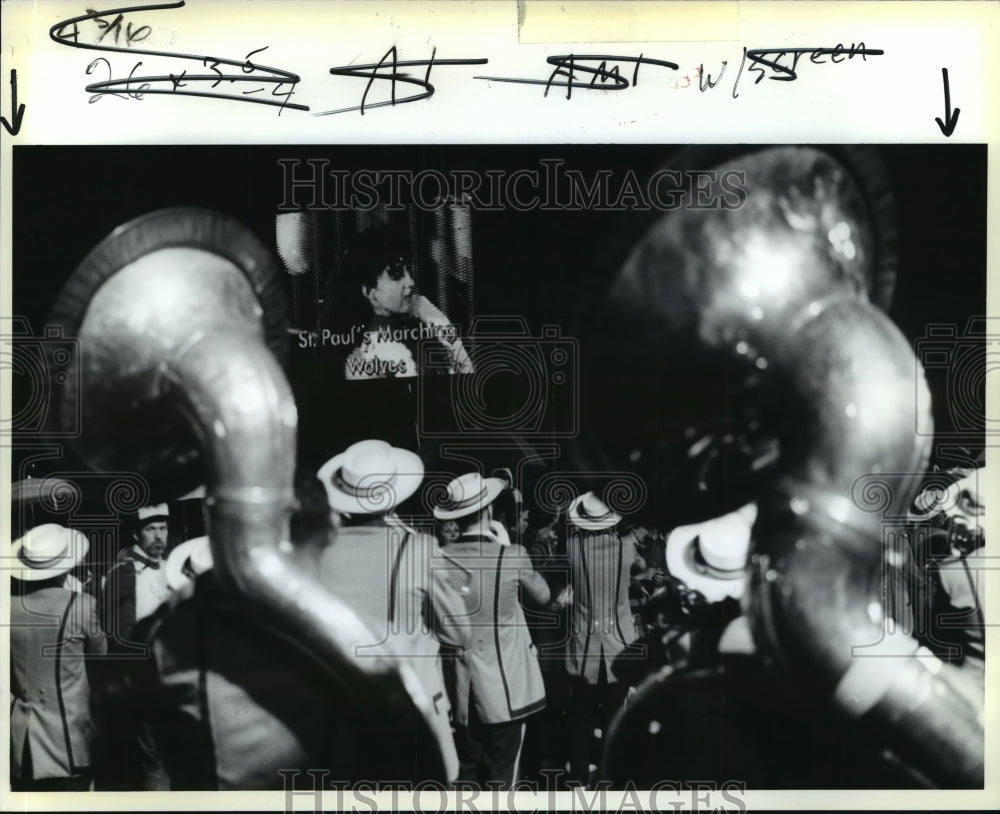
536, 265
68, 199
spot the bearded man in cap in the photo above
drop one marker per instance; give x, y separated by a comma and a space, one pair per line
230, 703
134, 587
53, 633
383, 568
136, 584
600, 625
498, 683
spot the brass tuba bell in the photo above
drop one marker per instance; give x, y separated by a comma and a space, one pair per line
778, 290
181, 321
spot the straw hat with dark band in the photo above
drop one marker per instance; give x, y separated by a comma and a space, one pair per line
590, 513
468, 494
48, 551
192, 557
711, 557
371, 477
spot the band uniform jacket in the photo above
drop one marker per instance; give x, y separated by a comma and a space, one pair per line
385, 574
133, 589
229, 703
52, 632
497, 664
600, 622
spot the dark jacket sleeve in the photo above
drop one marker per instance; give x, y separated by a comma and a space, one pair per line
533, 585
118, 605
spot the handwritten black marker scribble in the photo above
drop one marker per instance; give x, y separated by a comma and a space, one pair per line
114, 33
130, 92
16, 111
950, 117
705, 81
568, 65
387, 70
130, 35
68, 32
760, 61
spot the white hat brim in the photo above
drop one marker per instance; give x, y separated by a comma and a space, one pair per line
383, 495
176, 578
680, 559
47, 489
26, 573
590, 525
198, 493
494, 486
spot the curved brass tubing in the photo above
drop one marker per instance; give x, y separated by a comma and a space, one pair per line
778, 284
177, 339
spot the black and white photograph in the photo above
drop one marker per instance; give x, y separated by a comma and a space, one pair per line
492, 467
487, 406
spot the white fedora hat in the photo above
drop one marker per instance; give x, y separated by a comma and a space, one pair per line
590, 513
711, 557
48, 551
191, 556
371, 477
468, 494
